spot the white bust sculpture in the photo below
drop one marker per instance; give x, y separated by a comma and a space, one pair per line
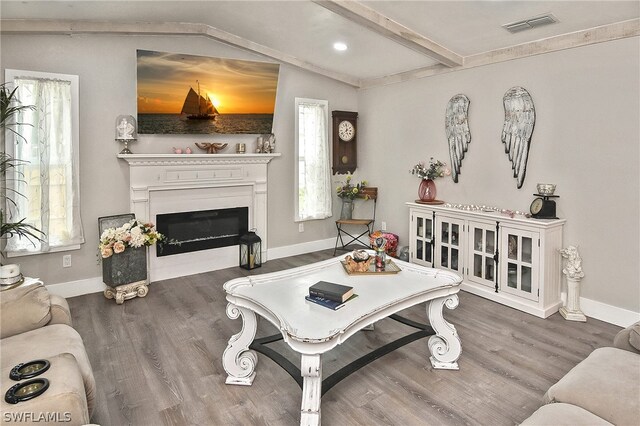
573, 267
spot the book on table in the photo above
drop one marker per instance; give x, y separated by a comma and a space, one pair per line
328, 303
332, 291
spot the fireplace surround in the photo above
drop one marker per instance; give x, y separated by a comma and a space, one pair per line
166, 184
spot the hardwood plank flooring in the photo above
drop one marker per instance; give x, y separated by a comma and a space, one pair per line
157, 361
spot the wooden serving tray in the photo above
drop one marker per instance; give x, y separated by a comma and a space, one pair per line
390, 268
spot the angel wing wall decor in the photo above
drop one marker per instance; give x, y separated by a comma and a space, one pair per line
458, 134
519, 119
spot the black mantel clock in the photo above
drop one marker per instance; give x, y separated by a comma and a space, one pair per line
543, 207
345, 135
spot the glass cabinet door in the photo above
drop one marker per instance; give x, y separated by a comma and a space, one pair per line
449, 244
482, 249
422, 236
519, 268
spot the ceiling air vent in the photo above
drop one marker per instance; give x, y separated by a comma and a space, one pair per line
527, 24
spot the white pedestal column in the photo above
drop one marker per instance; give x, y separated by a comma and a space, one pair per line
573, 270
572, 310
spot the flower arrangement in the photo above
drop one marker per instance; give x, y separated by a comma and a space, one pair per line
132, 234
435, 170
350, 191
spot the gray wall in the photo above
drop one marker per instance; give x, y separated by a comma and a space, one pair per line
585, 140
107, 69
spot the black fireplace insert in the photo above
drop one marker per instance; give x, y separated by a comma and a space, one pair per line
201, 230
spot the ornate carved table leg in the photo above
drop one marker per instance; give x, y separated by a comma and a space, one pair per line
238, 361
311, 369
445, 345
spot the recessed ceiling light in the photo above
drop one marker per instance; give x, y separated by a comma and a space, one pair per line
338, 45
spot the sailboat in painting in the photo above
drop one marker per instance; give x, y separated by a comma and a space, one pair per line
197, 107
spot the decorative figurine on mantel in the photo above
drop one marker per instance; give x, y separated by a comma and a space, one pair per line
266, 145
573, 271
212, 148
126, 131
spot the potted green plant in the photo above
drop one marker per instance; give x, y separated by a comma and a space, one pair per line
10, 107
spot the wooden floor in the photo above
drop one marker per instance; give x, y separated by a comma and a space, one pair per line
157, 360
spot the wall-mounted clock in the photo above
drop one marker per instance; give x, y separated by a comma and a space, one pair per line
345, 136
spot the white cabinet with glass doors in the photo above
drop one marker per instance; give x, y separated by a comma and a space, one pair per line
513, 261
450, 237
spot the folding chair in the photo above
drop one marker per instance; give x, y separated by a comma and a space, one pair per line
368, 192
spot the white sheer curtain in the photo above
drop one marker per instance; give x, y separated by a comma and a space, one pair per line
314, 162
48, 175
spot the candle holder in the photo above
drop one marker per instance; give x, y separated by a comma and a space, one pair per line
250, 250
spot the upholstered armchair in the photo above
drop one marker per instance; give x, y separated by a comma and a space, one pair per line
37, 325
603, 389
30, 306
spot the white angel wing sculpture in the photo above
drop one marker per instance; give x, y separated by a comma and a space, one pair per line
519, 119
458, 134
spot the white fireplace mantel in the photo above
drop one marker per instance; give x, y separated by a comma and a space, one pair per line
136, 160
172, 183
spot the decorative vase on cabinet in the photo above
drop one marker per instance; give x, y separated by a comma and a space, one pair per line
427, 190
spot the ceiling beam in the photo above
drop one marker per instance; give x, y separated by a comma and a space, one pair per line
70, 27
378, 23
610, 32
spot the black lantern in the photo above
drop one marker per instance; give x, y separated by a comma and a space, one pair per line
250, 251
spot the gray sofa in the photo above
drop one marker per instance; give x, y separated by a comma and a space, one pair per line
603, 389
37, 325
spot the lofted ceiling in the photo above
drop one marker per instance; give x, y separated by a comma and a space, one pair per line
384, 38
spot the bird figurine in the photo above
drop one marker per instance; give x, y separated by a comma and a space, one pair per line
188, 150
212, 148
177, 150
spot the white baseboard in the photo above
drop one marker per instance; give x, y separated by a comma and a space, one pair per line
607, 313
95, 285
302, 248
591, 308
77, 288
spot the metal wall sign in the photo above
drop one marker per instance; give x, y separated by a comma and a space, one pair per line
519, 119
457, 129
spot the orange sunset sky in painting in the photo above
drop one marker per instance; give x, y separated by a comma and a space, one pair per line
234, 86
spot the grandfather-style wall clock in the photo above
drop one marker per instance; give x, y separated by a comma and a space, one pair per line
345, 135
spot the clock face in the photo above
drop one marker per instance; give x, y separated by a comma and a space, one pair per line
346, 131
536, 206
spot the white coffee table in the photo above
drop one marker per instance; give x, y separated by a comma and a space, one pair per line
312, 330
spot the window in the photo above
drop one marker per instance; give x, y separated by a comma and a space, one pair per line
313, 168
47, 176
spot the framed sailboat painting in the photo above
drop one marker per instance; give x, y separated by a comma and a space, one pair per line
188, 94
